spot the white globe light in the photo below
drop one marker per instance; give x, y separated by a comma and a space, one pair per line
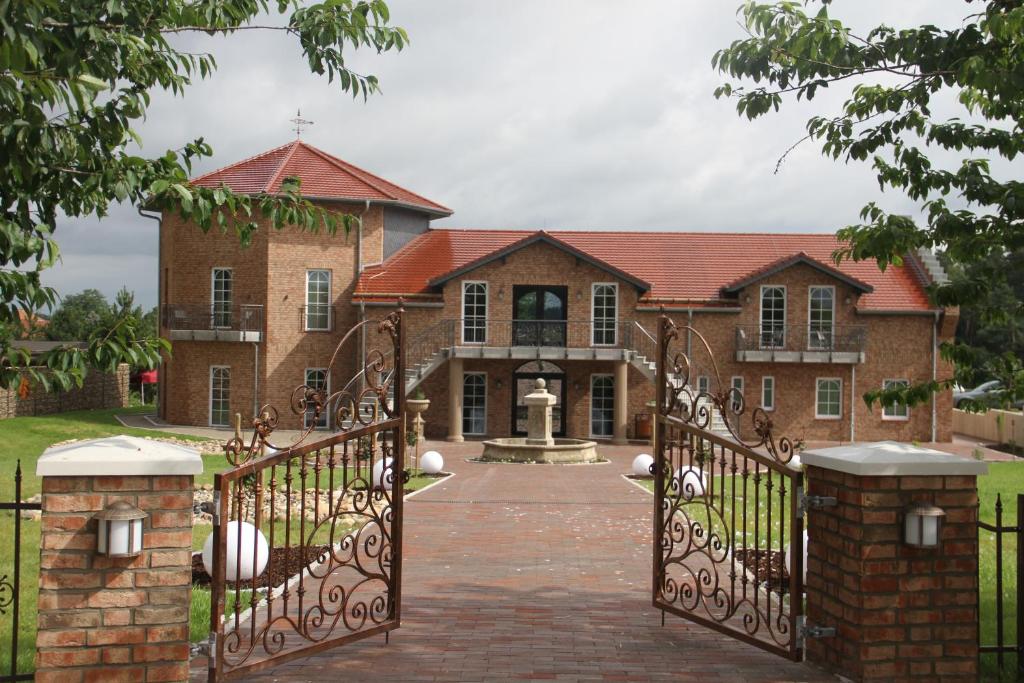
690, 481
789, 556
642, 465
379, 474
238, 560
431, 462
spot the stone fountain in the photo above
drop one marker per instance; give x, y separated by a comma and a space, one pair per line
539, 446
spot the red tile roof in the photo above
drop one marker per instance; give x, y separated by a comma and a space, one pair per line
690, 267
322, 175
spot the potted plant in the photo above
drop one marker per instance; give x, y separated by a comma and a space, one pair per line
418, 403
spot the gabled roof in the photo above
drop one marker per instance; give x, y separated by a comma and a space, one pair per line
786, 262
323, 177
546, 238
682, 268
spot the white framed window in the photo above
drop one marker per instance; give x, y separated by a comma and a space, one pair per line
474, 312
602, 406
895, 411
828, 398
221, 283
317, 378
821, 315
737, 384
474, 403
318, 300
773, 316
220, 396
703, 384
768, 393
604, 310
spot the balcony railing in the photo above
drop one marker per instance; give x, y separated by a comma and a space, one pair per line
573, 334
202, 322
810, 343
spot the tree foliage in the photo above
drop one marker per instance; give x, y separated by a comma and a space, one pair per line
75, 78
78, 316
894, 79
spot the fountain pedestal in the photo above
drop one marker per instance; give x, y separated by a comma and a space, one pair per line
539, 446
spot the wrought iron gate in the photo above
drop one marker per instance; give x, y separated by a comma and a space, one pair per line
728, 532
325, 517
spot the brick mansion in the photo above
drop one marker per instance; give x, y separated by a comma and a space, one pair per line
490, 311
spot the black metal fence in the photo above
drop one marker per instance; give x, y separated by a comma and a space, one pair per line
1003, 645
10, 585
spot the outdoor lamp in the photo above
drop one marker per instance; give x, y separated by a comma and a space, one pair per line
120, 530
922, 525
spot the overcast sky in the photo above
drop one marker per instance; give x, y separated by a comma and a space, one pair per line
527, 114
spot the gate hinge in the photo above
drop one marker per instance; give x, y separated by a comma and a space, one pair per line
804, 631
813, 502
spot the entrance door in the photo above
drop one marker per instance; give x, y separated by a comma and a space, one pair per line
524, 381
540, 315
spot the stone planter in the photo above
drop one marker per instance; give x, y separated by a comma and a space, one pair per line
417, 405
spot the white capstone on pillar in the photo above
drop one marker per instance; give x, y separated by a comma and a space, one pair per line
455, 399
538, 406
621, 402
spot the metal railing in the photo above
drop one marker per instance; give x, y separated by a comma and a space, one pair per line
10, 588
240, 318
1016, 643
574, 334
317, 318
838, 338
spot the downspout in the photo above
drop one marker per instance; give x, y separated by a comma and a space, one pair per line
853, 403
689, 333
362, 306
935, 376
255, 379
161, 377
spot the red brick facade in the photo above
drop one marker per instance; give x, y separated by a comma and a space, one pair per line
897, 343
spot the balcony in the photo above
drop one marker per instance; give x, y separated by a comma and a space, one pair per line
541, 339
192, 322
801, 344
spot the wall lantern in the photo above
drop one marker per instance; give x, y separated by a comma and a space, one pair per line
120, 530
497, 383
922, 525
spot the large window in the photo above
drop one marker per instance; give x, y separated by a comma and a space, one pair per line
829, 399
316, 378
768, 393
474, 403
220, 298
318, 300
220, 396
602, 405
821, 317
773, 317
895, 411
605, 313
474, 312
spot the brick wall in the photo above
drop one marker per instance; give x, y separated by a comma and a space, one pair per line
99, 390
114, 619
901, 613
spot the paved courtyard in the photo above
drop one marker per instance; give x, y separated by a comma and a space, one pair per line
535, 572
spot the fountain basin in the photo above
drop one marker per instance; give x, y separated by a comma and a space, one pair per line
559, 451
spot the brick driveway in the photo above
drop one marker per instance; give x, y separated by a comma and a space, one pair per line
536, 572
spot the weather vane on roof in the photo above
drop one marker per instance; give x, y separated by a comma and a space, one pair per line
300, 123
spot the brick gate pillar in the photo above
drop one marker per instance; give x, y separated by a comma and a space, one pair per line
899, 612
106, 618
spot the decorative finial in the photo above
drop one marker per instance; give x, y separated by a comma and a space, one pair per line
300, 123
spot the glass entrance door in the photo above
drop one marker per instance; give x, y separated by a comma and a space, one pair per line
539, 315
524, 382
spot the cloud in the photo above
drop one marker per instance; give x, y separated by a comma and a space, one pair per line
581, 113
